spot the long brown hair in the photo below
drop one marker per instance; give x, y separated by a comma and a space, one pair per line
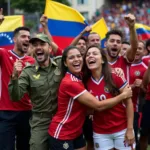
106, 72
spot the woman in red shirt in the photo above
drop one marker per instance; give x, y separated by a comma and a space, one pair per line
65, 129
112, 128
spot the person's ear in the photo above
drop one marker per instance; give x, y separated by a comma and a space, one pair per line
65, 64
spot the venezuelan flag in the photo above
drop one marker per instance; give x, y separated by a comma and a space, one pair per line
64, 22
100, 27
9, 24
143, 31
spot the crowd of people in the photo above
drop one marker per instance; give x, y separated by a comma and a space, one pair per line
114, 14
83, 97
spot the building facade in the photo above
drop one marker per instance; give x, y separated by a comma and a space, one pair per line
87, 7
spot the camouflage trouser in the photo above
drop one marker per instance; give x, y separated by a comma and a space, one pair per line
39, 131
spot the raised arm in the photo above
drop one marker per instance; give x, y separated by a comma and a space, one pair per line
1, 16
44, 21
88, 99
87, 29
130, 54
18, 86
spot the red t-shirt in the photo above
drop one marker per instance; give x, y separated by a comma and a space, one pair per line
68, 121
145, 59
122, 63
111, 120
58, 53
136, 72
7, 59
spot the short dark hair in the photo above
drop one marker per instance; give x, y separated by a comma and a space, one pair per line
83, 38
147, 43
16, 31
126, 42
116, 32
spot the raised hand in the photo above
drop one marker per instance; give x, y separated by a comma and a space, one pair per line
43, 20
1, 16
87, 29
130, 20
18, 66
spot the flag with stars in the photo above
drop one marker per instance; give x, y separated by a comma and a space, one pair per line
9, 24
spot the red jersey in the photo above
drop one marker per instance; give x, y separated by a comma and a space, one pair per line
145, 59
111, 120
68, 121
7, 59
136, 72
58, 53
122, 63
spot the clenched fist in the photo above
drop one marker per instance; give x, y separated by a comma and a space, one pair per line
130, 20
18, 66
43, 20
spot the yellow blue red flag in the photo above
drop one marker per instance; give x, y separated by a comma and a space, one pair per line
9, 24
64, 22
143, 31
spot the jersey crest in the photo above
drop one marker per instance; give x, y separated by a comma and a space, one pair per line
106, 89
137, 73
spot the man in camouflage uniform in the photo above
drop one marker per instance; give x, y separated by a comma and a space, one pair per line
41, 81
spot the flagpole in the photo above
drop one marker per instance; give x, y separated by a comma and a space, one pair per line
8, 7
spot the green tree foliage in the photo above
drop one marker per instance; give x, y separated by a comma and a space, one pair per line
3, 4
31, 6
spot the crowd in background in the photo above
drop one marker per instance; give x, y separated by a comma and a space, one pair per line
114, 14
61, 128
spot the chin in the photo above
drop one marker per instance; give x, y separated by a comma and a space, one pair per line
92, 68
77, 73
40, 60
114, 56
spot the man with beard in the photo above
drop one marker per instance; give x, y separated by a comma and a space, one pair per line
14, 117
113, 45
41, 81
94, 39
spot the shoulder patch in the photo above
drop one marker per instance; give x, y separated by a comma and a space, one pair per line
57, 60
28, 66
73, 78
57, 57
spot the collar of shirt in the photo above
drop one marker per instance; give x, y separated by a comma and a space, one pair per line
52, 62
